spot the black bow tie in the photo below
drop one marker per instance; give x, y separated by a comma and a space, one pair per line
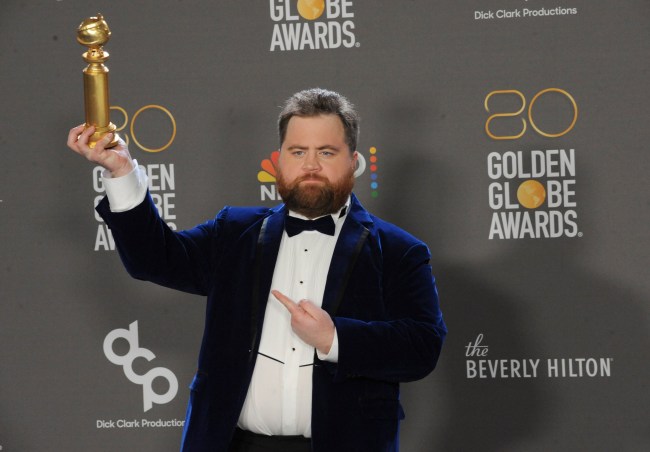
295, 226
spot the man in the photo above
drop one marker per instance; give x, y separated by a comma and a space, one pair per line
316, 309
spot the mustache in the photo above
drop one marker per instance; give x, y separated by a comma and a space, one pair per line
311, 177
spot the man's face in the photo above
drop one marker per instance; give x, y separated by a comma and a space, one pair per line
316, 168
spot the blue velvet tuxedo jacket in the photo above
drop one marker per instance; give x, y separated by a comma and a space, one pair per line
379, 292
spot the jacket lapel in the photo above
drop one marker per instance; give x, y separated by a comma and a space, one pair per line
266, 253
348, 247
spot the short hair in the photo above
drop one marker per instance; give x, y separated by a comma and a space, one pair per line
318, 101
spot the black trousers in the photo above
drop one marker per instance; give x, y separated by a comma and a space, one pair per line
244, 441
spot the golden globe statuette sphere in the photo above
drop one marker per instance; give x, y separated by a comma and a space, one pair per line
93, 33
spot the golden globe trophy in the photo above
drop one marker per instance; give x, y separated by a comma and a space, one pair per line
94, 33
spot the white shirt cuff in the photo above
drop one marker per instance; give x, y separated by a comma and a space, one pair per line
333, 355
125, 192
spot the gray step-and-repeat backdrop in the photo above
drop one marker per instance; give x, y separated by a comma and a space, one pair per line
510, 135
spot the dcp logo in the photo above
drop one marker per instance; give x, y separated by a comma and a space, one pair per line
149, 396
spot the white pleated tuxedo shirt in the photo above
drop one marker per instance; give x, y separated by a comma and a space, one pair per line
278, 401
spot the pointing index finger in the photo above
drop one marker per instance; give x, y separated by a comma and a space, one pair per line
286, 301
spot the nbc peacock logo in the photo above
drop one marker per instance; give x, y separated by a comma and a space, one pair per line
269, 170
267, 177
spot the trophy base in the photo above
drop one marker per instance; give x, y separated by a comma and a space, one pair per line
100, 132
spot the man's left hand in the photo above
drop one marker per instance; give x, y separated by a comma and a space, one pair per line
311, 323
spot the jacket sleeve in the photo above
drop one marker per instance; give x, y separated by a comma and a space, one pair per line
405, 344
151, 251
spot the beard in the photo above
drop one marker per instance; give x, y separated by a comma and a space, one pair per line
315, 200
